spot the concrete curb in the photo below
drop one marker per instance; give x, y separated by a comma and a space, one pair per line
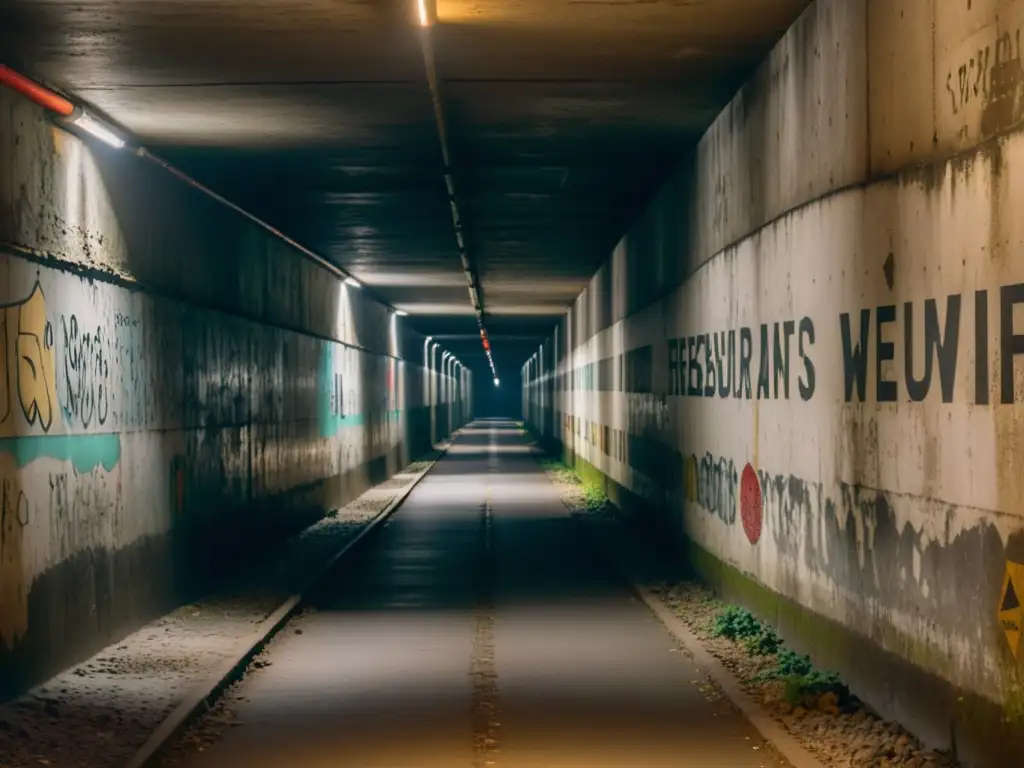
199, 700
772, 731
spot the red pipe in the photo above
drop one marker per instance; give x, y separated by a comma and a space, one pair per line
42, 96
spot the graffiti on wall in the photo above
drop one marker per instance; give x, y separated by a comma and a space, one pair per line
86, 373
887, 353
28, 401
26, 346
711, 483
31, 428
990, 78
715, 485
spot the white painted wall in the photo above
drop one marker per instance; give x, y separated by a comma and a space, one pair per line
876, 129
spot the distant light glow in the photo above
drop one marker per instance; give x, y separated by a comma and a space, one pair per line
496, 382
401, 313
353, 282
95, 128
429, 338
424, 19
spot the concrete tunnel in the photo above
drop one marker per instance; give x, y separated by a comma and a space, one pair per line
295, 295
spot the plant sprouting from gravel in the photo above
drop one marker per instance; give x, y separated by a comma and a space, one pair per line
735, 623
594, 497
800, 677
802, 680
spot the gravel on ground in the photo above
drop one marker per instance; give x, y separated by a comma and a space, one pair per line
100, 712
844, 736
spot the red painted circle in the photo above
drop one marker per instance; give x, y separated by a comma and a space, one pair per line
750, 504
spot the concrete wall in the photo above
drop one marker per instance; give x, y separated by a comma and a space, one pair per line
805, 357
177, 389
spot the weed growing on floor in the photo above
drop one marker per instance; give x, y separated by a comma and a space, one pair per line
802, 680
594, 497
735, 623
767, 643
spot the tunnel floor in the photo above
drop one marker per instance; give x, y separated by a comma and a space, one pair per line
477, 628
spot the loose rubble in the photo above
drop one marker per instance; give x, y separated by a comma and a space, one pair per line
841, 734
100, 712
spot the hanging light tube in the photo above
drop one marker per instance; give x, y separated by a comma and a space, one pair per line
86, 122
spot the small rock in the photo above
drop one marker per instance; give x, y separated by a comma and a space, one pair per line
799, 712
884, 751
298, 631
864, 756
828, 702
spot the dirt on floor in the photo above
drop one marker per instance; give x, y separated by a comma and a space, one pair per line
835, 727
100, 712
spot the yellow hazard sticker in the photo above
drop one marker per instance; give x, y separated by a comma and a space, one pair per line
1009, 612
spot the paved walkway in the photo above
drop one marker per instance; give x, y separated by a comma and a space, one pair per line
477, 629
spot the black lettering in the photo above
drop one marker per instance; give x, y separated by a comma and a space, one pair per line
855, 356
778, 364
1010, 345
746, 348
885, 351
944, 344
732, 358
695, 378
788, 329
780, 357
673, 367
763, 367
981, 347
724, 384
709, 368
806, 382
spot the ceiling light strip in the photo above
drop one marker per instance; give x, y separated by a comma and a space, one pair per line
472, 279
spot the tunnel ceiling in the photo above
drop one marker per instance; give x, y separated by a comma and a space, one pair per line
563, 117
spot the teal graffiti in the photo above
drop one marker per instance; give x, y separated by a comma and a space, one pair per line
331, 416
330, 412
85, 452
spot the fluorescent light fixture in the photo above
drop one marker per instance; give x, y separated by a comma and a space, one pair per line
429, 338
401, 313
95, 128
496, 382
353, 282
424, 21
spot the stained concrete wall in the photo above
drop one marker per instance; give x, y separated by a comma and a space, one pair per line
804, 358
177, 390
